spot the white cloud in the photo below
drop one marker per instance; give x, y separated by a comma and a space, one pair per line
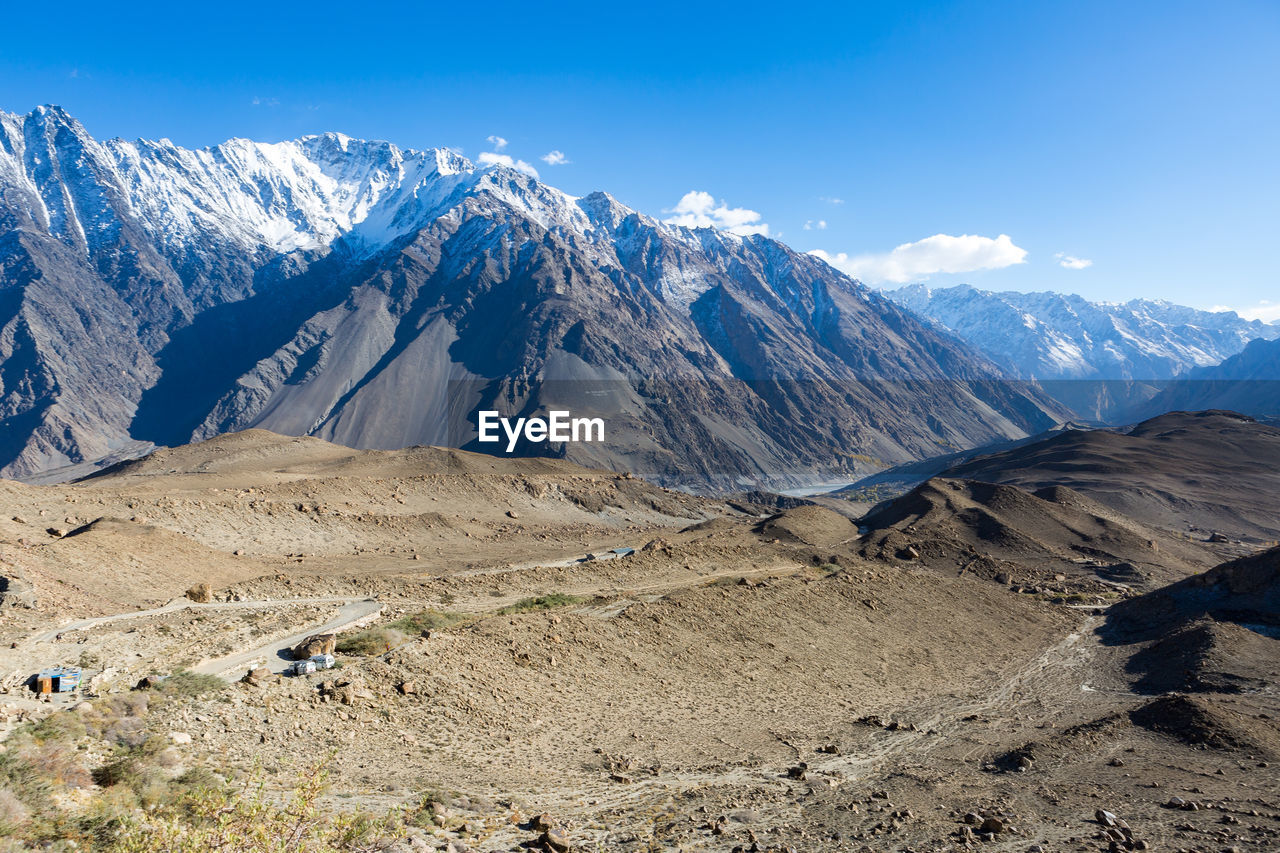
555, 158
820, 225
1070, 262
698, 209
489, 158
830, 199
941, 253
1266, 311
265, 102
497, 142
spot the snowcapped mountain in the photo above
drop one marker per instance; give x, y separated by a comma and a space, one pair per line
1097, 357
375, 296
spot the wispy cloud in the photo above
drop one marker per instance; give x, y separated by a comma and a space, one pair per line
698, 209
555, 158
259, 101
497, 142
1266, 311
820, 225
1070, 262
830, 199
941, 253
490, 158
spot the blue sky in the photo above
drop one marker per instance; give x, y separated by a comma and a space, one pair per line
1006, 143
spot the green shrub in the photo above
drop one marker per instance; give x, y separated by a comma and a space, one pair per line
374, 641
190, 684
542, 602
246, 820
60, 726
384, 638
426, 620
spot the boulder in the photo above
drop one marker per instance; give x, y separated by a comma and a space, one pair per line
316, 644
257, 677
339, 691
555, 839
201, 593
17, 592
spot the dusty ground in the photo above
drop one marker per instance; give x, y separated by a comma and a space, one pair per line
791, 682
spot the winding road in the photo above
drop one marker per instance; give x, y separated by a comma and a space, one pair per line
353, 613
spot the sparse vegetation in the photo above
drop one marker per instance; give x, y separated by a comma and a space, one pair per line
384, 638
190, 684
245, 819
542, 602
427, 620
374, 641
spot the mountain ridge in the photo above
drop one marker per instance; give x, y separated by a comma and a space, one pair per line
1099, 358
373, 296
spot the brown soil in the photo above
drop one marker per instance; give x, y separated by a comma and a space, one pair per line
736, 681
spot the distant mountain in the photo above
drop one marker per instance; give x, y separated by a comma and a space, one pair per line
1248, 382
377, 297
1196, 471
1099, 358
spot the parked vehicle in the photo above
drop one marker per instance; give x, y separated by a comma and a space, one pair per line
303, 667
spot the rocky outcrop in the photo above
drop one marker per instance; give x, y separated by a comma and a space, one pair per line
316, 644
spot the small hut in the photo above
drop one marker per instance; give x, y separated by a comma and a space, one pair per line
58, 679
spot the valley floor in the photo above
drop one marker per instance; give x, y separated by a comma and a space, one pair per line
740, 681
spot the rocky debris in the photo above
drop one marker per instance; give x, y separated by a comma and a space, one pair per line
201, 593
257, 677
406, 688
992, 824
511, 513
316, 644
56, 532
16, 591
555, 839
344, 692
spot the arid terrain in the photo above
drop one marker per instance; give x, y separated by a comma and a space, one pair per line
967, 666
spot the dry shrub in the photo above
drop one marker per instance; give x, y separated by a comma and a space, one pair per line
13, 814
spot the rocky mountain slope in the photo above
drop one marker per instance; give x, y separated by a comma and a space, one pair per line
1097, 357
735, 683
1248, 382
377, 297
1191, 472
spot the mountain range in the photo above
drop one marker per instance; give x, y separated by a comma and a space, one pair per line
1102, 359
378, 296
1247, 382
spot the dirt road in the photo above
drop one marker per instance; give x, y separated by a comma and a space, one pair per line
353, 614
